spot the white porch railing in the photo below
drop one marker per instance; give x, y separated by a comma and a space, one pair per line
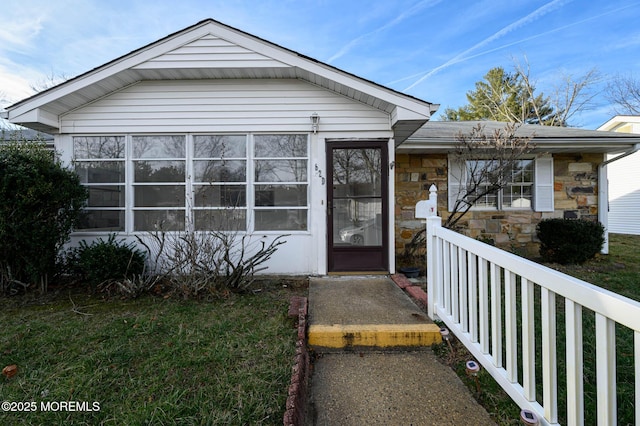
480, 292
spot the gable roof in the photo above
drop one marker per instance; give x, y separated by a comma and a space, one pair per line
212, 50
440, 137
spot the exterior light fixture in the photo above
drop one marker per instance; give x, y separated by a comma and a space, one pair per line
315, 121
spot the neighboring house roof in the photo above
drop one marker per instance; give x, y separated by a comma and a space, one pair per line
621, 123
624, 180
441, 137
238, 55
23, 134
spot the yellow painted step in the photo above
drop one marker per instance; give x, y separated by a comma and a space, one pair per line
375, 335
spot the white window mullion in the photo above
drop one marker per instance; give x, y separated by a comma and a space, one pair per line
188, 185
128, 173
250, 185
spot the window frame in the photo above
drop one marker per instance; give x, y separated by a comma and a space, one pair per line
500, 195
542, 193
134, 184
189, 208
255, 183
196, 183
122, 215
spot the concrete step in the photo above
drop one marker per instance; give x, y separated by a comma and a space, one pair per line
373, 335
365, 312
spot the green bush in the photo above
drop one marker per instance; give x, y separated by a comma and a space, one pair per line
102, 262
40, 203
567, 241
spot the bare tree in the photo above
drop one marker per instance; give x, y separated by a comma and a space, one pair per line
624, 92
48, 81
575, 95
569, 96
485, 161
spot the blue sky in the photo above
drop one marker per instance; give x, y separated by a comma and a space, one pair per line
432, 49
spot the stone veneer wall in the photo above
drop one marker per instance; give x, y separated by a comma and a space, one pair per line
575, 196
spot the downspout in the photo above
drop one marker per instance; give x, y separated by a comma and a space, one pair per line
603, 194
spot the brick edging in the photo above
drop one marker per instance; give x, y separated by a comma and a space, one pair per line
296, 406
415, 291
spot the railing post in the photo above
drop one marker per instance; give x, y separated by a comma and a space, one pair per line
429, 210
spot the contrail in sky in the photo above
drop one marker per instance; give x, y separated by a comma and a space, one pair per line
541, 11
411, 11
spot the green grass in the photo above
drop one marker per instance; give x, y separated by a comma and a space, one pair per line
149, 360
619, 272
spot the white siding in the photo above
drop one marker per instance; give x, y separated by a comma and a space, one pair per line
624, 195
225, 106
244, 106
210, 52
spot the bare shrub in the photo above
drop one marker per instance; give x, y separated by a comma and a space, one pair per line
200, 263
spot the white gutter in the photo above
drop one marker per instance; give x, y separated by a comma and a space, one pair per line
603, 194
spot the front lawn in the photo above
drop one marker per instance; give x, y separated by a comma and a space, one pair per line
619, 271
149, 360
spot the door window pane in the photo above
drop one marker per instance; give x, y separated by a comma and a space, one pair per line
357, 222
356, 172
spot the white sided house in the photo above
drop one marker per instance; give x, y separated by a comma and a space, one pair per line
624, 180
213, 128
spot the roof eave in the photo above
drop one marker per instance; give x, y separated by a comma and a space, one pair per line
612, 146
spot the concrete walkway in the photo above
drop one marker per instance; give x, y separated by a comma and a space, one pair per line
355, 383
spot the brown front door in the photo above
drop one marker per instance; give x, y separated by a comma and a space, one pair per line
357, 216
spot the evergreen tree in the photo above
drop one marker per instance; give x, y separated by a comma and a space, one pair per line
504, 96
